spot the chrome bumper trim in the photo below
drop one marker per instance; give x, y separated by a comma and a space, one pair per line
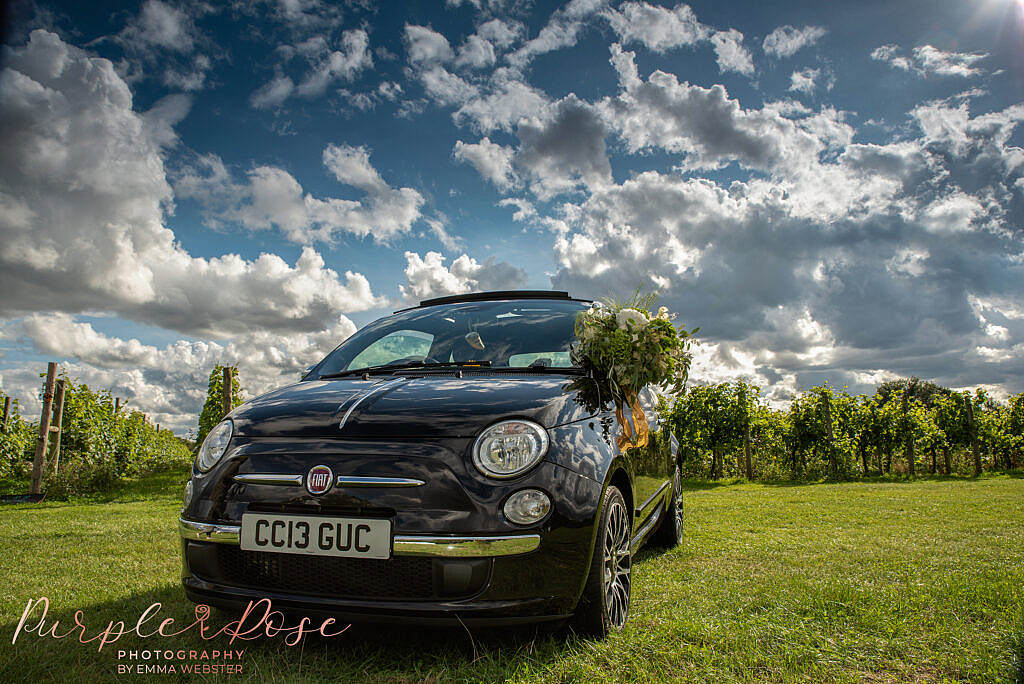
354, 481
404, 545
465, 547
209, 532
269, 478
342, 481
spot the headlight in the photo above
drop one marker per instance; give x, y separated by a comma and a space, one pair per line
214, 446
186, 499
509, 448
527, 506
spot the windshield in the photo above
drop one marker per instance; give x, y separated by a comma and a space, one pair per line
516, 334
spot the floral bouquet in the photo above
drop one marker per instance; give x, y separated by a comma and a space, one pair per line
629, 348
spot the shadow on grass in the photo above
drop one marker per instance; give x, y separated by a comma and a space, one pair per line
144, 487
364, 651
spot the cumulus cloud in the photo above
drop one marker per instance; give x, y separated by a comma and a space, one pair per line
786, 41
929, 60
565, 149
657, 28
168, 382
427, 276
83, 195
271, 197
426, 46
705, 124
501, 104
832, 259
491, 160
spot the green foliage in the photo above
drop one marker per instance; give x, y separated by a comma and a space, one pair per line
17, 443
98, 447
908, 428
213, 409
629, 347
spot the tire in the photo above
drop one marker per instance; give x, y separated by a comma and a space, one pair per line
670, 532
604, 605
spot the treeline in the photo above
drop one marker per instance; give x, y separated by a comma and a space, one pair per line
907, 427
99, 444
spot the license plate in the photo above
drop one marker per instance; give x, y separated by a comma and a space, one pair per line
319, 535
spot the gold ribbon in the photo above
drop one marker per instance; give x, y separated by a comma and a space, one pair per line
635, 432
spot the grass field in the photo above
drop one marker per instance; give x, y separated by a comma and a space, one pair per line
865, 581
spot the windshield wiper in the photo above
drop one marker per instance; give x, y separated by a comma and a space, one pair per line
388, 367
557, 370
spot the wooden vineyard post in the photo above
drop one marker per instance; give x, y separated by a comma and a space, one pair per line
746, 452
44, 430
117, 405
226, 392
7, 413
833, 464
973, 429
58, 418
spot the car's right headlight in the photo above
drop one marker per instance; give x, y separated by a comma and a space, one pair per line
509, 448
214, 446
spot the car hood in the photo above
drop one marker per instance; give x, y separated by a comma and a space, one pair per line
417, 406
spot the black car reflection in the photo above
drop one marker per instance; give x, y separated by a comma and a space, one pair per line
447, 463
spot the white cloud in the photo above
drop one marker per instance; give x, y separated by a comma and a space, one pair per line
273, 92
561, 31
427, 276
491, 160
657, 28
476, 52
505, 102
785, 41
730, 53
446, 88
426, 46
929, 60
272, 198
702, 123
163, 38
805, 80
168, 383
501, 33
953, 213
161, 25
326, 66
932, 60
84, 194
832, 258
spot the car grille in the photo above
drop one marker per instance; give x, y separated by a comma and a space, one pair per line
395, 578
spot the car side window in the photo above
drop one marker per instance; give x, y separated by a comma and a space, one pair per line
393, 347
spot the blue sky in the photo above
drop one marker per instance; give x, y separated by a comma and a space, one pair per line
831, 192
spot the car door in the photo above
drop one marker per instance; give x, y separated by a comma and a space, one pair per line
651, 465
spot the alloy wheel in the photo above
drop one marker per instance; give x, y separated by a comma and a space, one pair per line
618, 563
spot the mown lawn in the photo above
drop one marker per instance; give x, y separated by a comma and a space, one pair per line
876, 581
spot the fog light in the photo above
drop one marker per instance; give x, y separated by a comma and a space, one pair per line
527, 507
186, 499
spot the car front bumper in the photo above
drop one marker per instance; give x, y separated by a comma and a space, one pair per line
476, 580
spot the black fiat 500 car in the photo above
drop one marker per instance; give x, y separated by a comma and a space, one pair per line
447, 464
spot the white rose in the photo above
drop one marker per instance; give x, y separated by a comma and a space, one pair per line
638, 318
